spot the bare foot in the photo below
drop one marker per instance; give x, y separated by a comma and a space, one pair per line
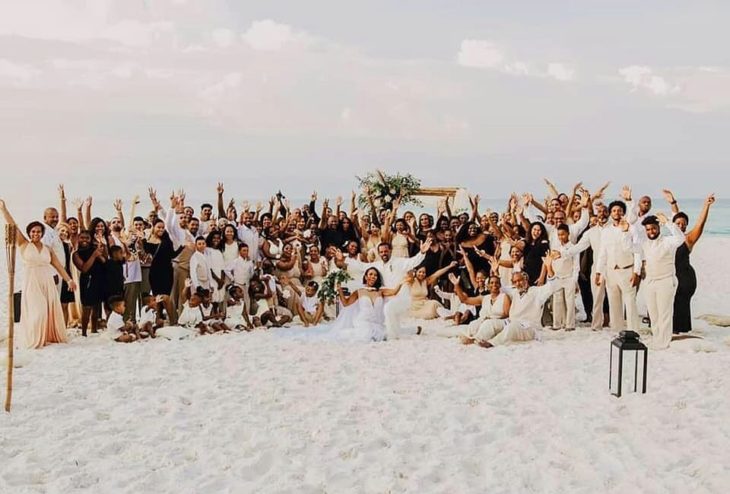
465, 340
485, 344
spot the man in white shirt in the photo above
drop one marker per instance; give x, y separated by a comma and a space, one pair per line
51, 239
393, 271
241, 271
597, 291
525, 313
200, 275
619, 268
176, 226
575, 229
249, 235
660, 284
566, 278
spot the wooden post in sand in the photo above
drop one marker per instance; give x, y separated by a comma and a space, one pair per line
11, 232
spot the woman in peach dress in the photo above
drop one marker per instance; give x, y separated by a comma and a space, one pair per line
41, 314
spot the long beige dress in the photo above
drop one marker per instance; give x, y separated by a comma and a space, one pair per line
41, 314
421, 306
400, 246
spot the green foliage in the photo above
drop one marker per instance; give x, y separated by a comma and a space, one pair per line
328, 289
384, 189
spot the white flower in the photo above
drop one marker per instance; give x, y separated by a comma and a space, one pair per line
387, 198
392, 191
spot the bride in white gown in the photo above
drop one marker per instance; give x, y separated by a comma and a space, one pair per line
362, 318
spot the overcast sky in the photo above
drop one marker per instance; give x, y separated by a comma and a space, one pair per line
303, 94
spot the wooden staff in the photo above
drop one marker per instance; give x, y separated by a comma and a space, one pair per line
11, 232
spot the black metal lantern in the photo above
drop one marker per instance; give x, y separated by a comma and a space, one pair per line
627, 354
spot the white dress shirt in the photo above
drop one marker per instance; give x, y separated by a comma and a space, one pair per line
51, 240
614, 253
393, 271
250, 236
241, 271
659, 253
200, 271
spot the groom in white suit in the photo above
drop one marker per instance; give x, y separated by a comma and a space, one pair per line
393, 272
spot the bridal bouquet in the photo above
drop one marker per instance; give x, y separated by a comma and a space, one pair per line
328, 289
384, 189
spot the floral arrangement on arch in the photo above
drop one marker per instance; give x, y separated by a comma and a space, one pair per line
328, 289
384, 189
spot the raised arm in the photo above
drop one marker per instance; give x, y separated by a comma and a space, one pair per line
222, 213
62, 197
669, 196
118, 209
474, 201
551, 188
87, 211
347, 300
438, 274
133, 212
571, 199
463, 297
323, 219
694, 235
19, 237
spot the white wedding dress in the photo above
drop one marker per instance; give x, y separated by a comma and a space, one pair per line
361, 322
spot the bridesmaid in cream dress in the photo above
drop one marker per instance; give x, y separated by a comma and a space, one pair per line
421, 306
41, 314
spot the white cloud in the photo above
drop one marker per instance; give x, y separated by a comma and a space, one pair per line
17, 73
268, 35
485, 54
560, 72
223, 37
643, 77
479, 53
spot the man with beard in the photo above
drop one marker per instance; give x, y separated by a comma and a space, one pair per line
176, 224
598, 292
661, 281
619, 268
51, 239
194, 227
206, 214
249, 235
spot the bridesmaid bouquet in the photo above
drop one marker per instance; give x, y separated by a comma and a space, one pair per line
328, 289
384, 189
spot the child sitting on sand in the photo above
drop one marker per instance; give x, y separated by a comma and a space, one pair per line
149, 320
116, 329
212, 319
236, 313
310, 308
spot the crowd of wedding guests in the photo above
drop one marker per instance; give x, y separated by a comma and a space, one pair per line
492, 276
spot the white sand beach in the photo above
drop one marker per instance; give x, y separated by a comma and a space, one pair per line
258, 413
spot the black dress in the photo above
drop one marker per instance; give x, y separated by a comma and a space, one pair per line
687, 284
67, 296
92, 282
533, 259
161, 267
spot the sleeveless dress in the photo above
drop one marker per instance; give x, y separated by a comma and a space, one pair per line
362, 322
421, 306
161, 266
41, 314
491, 321
400, 246
91, 283
687, 284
